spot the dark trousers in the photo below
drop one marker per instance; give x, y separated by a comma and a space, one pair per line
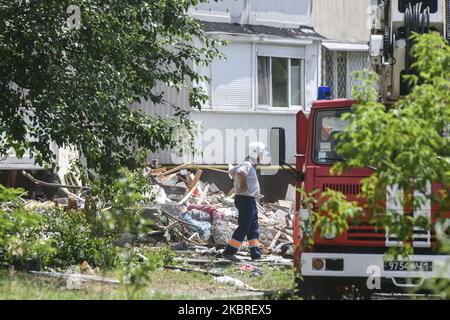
248, 226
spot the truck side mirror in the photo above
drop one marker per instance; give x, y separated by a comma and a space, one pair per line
278, 146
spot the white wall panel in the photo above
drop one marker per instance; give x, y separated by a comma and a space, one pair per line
224, 136
232, 78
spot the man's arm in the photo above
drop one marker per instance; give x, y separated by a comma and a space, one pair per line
242, 182
241, 176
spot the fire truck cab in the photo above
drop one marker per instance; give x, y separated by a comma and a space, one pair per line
356, 257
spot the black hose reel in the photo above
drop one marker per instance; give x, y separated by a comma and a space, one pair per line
387, 36
418, 21
447, 20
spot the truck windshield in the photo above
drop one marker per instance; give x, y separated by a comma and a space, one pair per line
327, 123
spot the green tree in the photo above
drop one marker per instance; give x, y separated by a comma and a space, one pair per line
19, 236
407, 143
70, 69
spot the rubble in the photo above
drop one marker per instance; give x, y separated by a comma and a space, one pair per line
196, 218
221, 232
207, 215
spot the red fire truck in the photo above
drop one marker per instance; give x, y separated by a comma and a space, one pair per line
357, 255
351, 258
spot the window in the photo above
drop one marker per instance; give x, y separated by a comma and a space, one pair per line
338, 68
279, 82
335, 72
327, 125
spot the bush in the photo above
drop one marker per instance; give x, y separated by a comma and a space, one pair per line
121, 195
19, 239
136, 265
75, 241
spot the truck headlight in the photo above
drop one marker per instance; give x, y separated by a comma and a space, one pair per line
318, 264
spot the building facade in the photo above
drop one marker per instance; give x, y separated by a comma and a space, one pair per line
275, 60
346, 26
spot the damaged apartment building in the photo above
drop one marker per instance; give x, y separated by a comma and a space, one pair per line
278, 54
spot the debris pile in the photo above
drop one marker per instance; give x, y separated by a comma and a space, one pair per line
195, 213
189, 214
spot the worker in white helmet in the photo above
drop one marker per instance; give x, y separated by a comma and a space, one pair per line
247, 189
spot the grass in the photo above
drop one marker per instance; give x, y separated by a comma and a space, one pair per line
273, 278
21, 286
163, 284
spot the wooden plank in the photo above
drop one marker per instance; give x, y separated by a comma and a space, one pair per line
158, 171
53, 185
274, 241
189, 194
198, 175
208, 168
177, 168
193, 270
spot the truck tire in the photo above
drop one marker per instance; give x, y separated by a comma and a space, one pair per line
50, 177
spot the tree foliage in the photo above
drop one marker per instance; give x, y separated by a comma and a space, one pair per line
408, 142
73, 83
19, 236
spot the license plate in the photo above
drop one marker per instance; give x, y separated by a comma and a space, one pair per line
408, 266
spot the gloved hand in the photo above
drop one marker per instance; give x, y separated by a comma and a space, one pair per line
230, 166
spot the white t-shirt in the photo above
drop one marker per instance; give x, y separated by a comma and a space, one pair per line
248, 169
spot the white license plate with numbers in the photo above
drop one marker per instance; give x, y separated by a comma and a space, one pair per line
408, 266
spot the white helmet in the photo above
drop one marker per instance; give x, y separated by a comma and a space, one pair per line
256, 149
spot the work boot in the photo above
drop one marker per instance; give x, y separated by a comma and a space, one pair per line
230, 257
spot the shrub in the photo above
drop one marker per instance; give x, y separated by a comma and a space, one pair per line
75, 241
19, 239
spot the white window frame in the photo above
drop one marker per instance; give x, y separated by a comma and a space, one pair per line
302, 84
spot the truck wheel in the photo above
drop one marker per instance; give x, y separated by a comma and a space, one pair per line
50, 177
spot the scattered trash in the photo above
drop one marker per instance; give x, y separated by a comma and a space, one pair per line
230, 281
290, 193
247, 267
217, 270
199, 215
161, 197
86, 268
73, 269
78, 277
125, 239
256, 272
203, 228
253, 270
74, 282
39, 206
